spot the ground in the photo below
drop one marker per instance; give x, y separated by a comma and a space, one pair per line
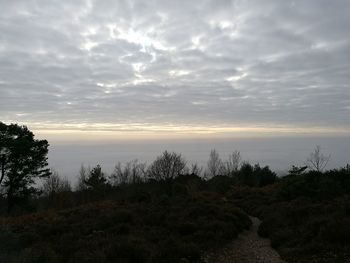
249, 247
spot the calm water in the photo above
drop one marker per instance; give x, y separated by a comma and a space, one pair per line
278, 153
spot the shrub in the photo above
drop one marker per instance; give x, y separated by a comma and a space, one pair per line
337, 231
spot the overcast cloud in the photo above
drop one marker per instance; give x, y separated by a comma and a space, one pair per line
175, 62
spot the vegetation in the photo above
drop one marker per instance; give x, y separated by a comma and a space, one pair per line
166, 212
167, 166
23, 159
136, 223
306, 216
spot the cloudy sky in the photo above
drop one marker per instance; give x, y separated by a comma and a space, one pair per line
175, 67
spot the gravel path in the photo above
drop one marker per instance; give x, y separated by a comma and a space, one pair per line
248, 247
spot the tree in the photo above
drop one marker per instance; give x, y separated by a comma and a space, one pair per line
317, 161
215, 165
57, 191
255, 175
247, 175
230, 167
54, 184
132, 172
195, 169
96, 179
167, 166
265, 175
24, 159
83, 173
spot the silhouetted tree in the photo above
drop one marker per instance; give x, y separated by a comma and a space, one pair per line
347, 168
24, 159
255, 175
167, 166
264, 175
231, 166
195, 169
317, 161
57, 190
132, 172
247, 175
55, 184
96, 179
214, 164
83, 174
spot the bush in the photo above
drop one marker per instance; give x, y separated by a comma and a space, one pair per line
167, 229
129, 250
10, 245
337, 231
306, 216
221, 184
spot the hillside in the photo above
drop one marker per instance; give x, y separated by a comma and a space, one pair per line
306, 217
166, 229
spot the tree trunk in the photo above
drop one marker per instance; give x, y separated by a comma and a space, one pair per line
10, 200
2, 168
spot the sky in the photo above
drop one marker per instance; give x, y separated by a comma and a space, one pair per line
85, 70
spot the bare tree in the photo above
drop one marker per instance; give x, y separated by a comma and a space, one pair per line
83, 173
230, 167
51, 184
65, 185
196, 169
120, 175
215, 165
317, 161
167, 166
132, 172
138, 171
55, 184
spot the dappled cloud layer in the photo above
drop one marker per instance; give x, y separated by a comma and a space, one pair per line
176, 66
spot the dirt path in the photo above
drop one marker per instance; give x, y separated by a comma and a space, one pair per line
248, 247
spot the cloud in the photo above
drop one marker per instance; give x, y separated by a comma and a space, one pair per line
175, 62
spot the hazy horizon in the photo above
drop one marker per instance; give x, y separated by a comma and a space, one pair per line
279, 153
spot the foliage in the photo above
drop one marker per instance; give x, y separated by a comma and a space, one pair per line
24, 159
221, 184
316, 185
167, 229
306, 216
10, 245
96, 180
168, 213
255, 175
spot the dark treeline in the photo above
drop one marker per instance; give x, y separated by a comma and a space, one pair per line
167, 211
164, 174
